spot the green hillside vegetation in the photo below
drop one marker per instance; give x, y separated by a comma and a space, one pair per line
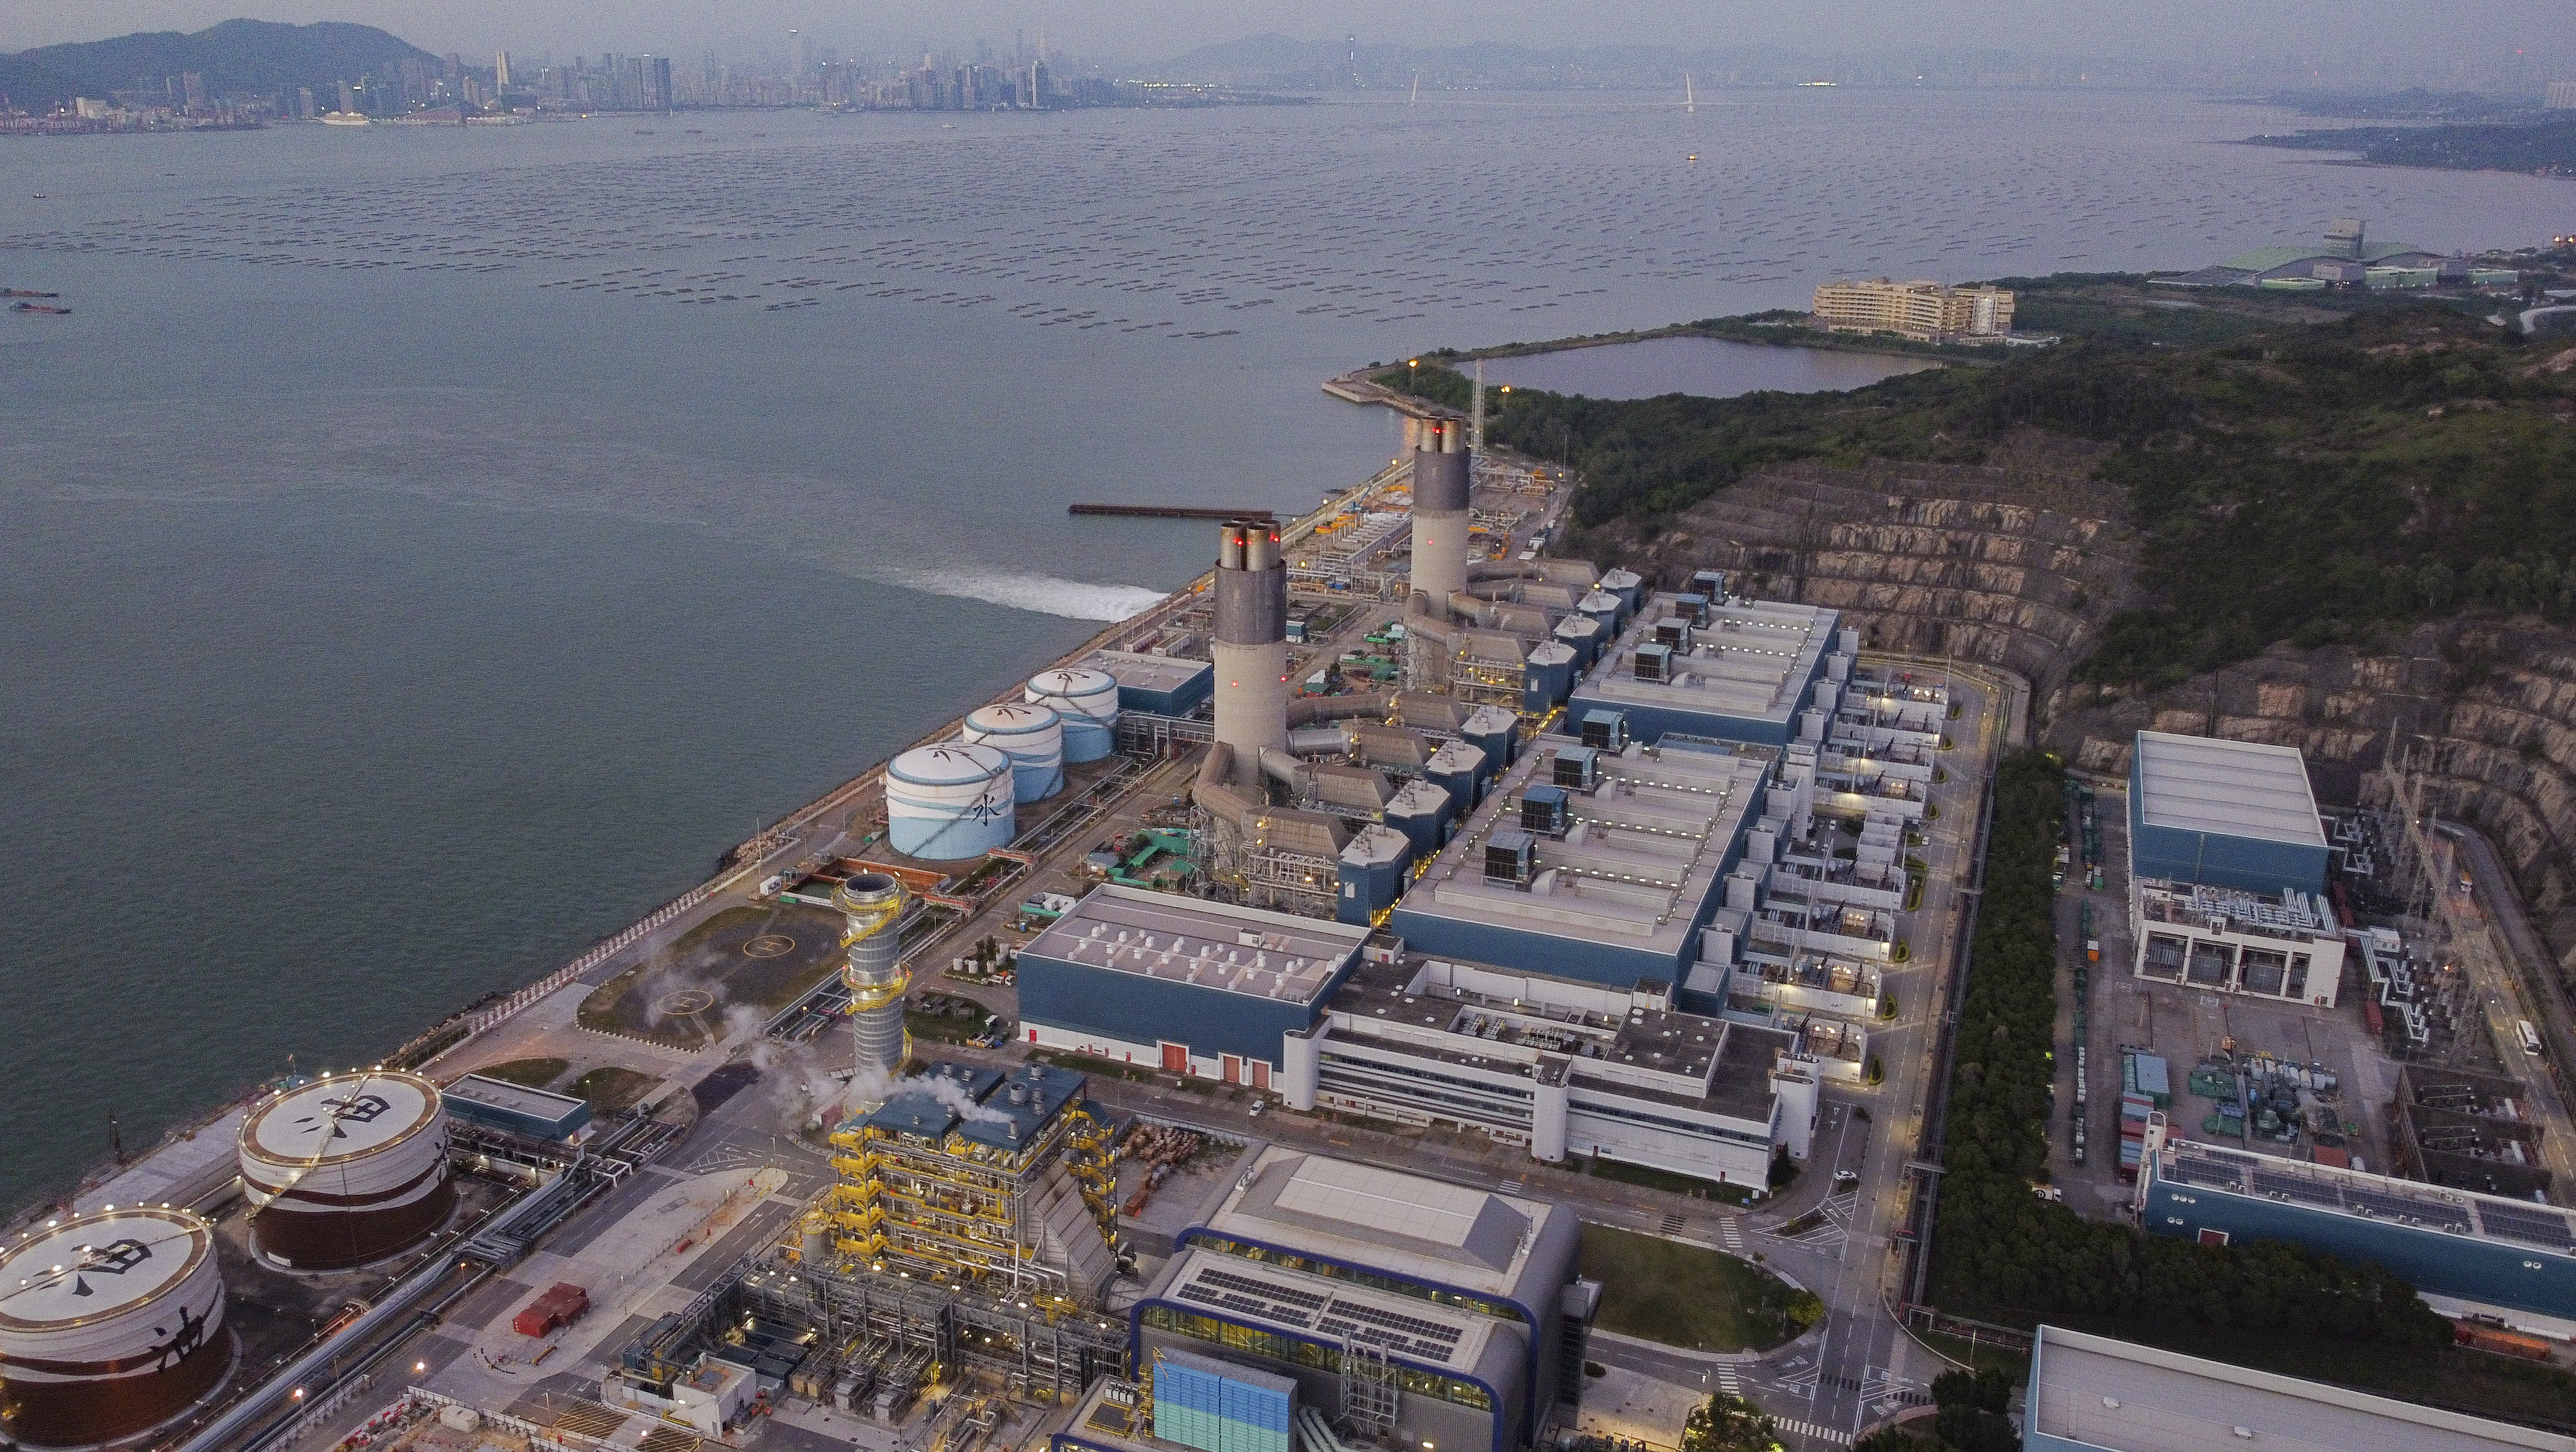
2545, 146
2316, 483
26, 86
238, 57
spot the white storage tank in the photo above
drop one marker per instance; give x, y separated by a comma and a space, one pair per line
1087, 700
347, 1170
1033, 737
949, 802
110, 1325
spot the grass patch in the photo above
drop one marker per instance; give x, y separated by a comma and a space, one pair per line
528, 1073
1655, 1179
1107, 1068
757, 957
612, 1089
1682, 1295
940, 1028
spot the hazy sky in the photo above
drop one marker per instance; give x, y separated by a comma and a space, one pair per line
2481, 32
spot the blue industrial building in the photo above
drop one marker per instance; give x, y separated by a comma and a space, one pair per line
1180, 984
1158, 685
1616, 865
2511, 1255
2223, 814
1764, 673
516, 1108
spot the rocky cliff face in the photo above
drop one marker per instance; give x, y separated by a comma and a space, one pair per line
2018, 563
2489, 708
2015, 563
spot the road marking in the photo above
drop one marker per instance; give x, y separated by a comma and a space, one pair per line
1673, 1222
1727, 1381
1734, 1238
1510, 1187
1810, 1429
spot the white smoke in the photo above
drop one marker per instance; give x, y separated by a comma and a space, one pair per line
871, 1087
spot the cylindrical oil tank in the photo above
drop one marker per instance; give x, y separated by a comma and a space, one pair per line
1585, 634
1547, 677
346, 1170
949, 802
110, 1325
1032, 736
1088, 701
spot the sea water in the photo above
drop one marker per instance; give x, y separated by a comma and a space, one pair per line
423, 549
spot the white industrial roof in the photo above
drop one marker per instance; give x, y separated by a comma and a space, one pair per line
2235, 788
2097, 1392
1245, 1290
1361, 1214
1752, 660
1206, 944
86, 1268
346, 1114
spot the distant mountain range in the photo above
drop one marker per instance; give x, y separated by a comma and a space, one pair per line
238, 57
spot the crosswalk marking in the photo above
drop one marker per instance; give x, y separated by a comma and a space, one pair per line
1510, 1187
1727, 1381
1810, 1429
1733, 1238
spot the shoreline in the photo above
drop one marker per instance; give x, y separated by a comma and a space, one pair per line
491, 1011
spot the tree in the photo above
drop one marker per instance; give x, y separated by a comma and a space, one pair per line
1783, 1169
1889, 1439
1729, 1424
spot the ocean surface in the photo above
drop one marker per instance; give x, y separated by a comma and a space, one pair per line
421, 550
1706, 367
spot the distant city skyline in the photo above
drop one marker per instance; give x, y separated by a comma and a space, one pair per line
2491, 43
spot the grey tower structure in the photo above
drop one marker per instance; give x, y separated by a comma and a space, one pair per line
872, 903
1251, 645
1442, 466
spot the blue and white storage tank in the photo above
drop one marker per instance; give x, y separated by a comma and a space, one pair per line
1033, 737
949, 802
1547, 677
1087, 700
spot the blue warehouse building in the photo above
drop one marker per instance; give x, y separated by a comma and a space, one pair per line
1762, 672
1159, 685
516, 1108
1592, 865
2217, 813
1181, 984
2508, 1256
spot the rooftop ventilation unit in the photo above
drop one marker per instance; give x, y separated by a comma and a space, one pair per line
1511, 858
1693, 608
1605, 730
1543, 811
1577, 768
1711, 583
1654, 662
1674, 631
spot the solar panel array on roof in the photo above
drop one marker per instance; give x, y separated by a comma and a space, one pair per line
1327, 1313
2536, 1224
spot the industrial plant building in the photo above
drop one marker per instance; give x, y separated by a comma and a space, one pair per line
1351, 1302
1927, 312
1188, 986
971, 1176
1762, 672
2227, 870
2511, 1257
2094, 1394
1562, 1068
2345, 257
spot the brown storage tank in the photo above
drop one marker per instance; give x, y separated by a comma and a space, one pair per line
347, 1170
110, 1325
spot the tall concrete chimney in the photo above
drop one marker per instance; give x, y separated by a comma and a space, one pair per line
1251, 645
1440, 475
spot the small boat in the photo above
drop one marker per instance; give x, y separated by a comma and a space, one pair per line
27, 307
39, 196
25, 292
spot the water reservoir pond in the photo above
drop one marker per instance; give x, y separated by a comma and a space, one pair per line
1709, 367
